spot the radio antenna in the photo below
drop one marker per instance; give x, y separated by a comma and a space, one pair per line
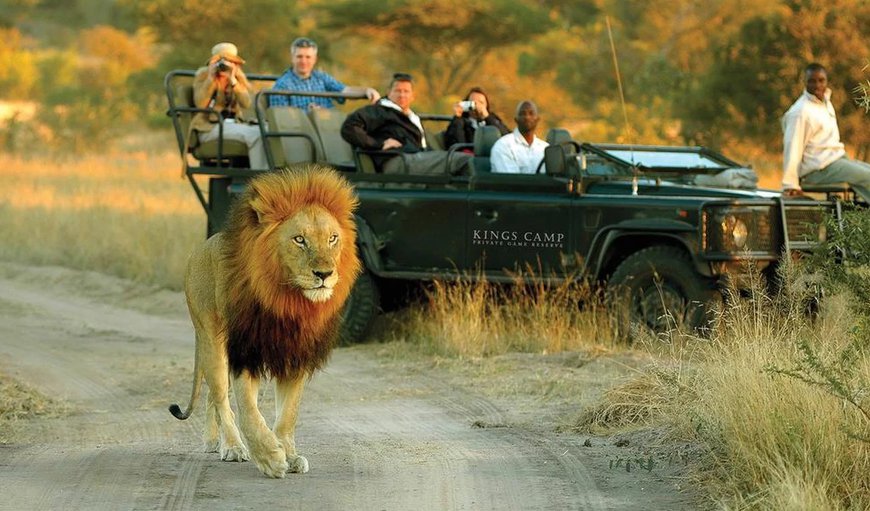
624, 110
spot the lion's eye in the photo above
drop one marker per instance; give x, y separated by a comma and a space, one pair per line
333, 239
299, 240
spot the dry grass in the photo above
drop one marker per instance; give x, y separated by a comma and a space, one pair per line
19, 402
773, 442
782, 443
127, 214
473, 318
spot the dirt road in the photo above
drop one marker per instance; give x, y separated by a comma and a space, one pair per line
117, 353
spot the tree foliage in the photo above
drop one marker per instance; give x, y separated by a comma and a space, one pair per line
443, 41
693, 71
758, 72
262, 29
18, 70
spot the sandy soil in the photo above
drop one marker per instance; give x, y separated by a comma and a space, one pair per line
379, 432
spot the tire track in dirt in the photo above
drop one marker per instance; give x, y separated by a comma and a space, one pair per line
184, 490
420, 422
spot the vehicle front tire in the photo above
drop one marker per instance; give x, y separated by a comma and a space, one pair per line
360, 310
657, 289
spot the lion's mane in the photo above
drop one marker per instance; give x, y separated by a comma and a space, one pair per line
272, 328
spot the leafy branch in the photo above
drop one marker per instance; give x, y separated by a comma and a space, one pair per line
837, 378
862, 91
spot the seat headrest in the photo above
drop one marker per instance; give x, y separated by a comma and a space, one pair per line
556, 136
484, 139
561, 159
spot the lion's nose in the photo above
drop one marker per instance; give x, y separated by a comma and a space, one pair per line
322, 275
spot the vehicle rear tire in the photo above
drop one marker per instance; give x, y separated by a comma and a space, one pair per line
360, 310
657, 289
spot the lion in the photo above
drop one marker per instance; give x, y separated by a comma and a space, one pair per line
264, 297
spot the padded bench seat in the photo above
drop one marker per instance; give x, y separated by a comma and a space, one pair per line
826, 188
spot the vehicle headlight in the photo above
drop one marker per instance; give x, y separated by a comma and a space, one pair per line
736, 229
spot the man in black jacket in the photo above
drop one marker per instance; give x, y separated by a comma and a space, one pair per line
391, 126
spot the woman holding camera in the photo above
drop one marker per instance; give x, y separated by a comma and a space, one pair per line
470, 114
222, 85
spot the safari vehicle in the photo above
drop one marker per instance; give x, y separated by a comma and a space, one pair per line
632, 218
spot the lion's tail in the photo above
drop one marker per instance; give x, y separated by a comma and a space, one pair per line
174, 409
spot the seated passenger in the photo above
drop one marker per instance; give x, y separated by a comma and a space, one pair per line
470, 114
812, 151
520, 152
302, 76
390, 125
222, 85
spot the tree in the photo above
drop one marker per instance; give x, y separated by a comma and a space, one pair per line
757, 73
191, 27
445, 42
18, 71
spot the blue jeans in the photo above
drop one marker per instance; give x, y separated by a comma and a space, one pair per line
844, 170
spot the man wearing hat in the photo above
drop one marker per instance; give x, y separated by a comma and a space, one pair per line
302, 76
223, 86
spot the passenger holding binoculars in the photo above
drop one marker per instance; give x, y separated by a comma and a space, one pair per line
470, 114
221, 85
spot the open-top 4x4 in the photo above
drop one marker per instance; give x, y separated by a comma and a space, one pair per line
631, 217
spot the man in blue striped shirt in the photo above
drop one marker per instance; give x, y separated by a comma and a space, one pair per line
303, 77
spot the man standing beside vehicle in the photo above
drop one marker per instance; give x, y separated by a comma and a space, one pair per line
521, 151
302, 76
812, 151
396, 133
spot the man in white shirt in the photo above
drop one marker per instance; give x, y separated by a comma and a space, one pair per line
812, 151
520, 152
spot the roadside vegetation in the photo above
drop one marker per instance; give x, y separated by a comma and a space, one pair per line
776, 399
472, 318
19, 403
127, 214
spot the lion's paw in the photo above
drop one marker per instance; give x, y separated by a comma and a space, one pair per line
235, 453
274, 465
212, 445
297, 464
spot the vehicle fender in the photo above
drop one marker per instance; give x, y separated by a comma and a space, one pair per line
611, 246
368, 245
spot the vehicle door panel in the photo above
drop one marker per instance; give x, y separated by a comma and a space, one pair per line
419, 229
519, 222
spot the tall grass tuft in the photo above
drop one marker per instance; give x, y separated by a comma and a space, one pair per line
474, 318
771, 441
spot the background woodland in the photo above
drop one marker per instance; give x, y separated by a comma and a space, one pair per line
76, 74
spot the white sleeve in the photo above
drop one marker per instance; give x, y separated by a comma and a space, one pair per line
794, 143
501, 159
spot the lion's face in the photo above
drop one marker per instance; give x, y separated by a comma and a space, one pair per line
309, 245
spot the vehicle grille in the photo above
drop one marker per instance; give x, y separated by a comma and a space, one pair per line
805, 223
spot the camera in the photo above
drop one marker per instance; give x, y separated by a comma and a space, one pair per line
223, 65
466, 106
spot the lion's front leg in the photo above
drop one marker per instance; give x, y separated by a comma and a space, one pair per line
288, 393
266, 451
